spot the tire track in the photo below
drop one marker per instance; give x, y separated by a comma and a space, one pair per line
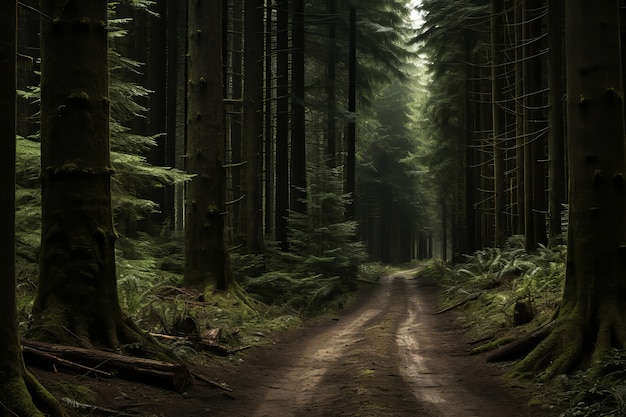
387, 357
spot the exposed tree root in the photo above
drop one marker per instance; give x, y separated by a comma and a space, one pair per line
571, 342
520, 347
558, 353
22, 395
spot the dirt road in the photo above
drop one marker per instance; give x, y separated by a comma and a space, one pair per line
387, 356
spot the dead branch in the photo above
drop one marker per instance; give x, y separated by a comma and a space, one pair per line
459, 304
28, 351
162, 374
520, 347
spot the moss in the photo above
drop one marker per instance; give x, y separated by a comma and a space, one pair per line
23, 395
494, 344
558, 353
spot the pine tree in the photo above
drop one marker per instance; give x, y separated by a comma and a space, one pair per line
206, 259
77, 299
20, 393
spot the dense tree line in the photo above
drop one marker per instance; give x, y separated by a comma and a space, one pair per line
526, 108
283, 141
232, 124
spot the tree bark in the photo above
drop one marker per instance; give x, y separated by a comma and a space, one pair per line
520, 127
298, 166
206, 260
269, 160
19, 390
498, 140
556, 147
77, 298
330, 85
253, 123
351, 129
236, 179
161, 374
591, 319
282, 123
535, 154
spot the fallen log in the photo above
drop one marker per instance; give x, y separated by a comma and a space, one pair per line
459, 304
29, 352
520, 347
162, 374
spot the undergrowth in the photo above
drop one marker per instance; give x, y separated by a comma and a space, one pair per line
490, 288
493, 282
498, 281
599, 391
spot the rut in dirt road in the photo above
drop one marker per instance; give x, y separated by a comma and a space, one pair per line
390, 356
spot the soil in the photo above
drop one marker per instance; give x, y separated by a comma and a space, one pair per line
386, 355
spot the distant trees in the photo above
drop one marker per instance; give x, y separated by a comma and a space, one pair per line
500, 92
519, 102
253, 123
211, 130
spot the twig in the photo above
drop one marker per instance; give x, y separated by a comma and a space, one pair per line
210, 382
459, 304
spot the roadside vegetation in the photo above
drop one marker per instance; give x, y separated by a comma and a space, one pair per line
149, 275
504, 297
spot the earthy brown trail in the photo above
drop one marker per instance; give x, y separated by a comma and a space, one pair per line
387, 355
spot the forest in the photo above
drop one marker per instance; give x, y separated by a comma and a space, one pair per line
179, 174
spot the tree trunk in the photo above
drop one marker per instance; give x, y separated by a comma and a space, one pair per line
253, 123
156, 80
234, 90
176, 104
282, 123
486, 168
19, 390
298, 132
269, 160
498, 85
444, 230
591, 317
351, 131
331, 83
556, 146
206, 260
520, 127
534, 156
77, 284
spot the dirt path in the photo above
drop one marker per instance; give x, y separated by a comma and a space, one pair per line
388, 356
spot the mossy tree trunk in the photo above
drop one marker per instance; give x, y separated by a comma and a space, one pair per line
206, 260
77, 300
20, 393
592, 317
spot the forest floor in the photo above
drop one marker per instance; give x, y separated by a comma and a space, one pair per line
387, 354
